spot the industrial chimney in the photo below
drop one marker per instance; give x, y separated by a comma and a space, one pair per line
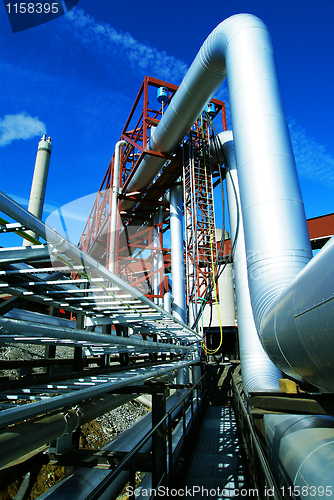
37, 194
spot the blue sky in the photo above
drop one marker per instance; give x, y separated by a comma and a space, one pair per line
76, 77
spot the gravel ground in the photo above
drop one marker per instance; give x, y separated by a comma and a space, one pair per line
104, 429
94, 435
17, 351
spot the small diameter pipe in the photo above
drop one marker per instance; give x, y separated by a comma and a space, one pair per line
17, 212
158, 257
178, 270
168, 301
24, 328
114, 215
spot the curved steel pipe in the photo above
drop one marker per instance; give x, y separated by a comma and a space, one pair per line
258, 371
301, 451
298, 328
276, 234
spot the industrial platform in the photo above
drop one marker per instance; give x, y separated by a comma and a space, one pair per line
217, 468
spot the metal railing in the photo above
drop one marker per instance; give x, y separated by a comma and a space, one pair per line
197, 395
258, 469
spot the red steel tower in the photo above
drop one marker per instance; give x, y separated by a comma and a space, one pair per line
142, 254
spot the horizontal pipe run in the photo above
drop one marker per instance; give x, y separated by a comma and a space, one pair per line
301, 452
28, 328
18, 440
84, 481
131, 377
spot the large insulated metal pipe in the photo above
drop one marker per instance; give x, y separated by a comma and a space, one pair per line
276, 234
177, 253
298, 328
258, 371
301, 451
218, 56
38, 187
114, 215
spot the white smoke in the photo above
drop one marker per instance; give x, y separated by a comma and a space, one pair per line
20, 126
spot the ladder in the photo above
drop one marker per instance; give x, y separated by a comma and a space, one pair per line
200, 238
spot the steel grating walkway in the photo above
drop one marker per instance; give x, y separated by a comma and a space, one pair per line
216, 471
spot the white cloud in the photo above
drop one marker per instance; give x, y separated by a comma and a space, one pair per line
106, 42
312, 160
19, 126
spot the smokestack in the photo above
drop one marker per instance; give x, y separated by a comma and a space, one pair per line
38, 187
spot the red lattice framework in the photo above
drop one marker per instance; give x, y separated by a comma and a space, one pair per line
138, 250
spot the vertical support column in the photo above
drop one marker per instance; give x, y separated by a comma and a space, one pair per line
178, 269
122, 331
158, 259
114, 206
177, 253
105, 358
159, 438
78, 359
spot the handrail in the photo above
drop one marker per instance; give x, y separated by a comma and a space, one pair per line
103, 485
256, 446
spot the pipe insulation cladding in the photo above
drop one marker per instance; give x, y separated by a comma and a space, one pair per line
301, 452
298, 328
296, 444
276, 234
258, 371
